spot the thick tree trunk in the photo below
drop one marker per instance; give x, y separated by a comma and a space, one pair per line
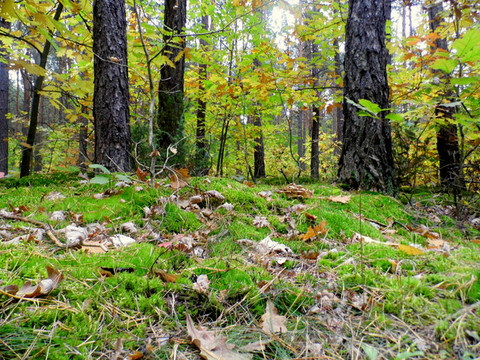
171, 86
4, 84
201, 161
451, 174
111, 94
27, 150
366, 161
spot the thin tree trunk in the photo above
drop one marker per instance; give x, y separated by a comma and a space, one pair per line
314, 158
201, 161
4, 85
451, 174
27, 149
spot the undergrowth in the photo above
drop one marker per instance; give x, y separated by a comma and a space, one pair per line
342, 298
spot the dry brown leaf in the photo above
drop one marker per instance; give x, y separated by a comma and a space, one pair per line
136, 355
202, 284
261, 221
212, 347
435, 243
311, 217
267, 195
340, 198
166, 277
249, 184
44, 287
272, 322
9, 289
296, 191
179, 179
313, 231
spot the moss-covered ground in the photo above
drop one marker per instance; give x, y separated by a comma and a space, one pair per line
384, 278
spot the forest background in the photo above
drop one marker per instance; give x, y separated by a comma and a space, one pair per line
263, 81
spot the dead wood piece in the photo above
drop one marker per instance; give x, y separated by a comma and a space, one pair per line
48, 229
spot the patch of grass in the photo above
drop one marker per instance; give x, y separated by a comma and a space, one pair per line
331, 288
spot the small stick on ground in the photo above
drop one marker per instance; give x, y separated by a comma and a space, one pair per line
48, 229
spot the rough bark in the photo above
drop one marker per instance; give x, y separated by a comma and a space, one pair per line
366, 160
259, 149
451, 174
111, 93
171, 86
27, 150
314, 157
201, 161
4, 84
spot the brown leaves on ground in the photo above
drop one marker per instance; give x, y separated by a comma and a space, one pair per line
212, 347
314, 231
343, 199
273, 323
28, 290
179, 179
293, 191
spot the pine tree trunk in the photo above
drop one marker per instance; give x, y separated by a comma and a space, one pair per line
314, 157
259, 150
4, 85
366, 161
111, 93
171, 86
201, 161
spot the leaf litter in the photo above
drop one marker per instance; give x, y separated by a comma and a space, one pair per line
336, 308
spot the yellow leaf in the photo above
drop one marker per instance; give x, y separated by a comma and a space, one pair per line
410, 250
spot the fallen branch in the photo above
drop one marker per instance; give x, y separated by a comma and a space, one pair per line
48, 229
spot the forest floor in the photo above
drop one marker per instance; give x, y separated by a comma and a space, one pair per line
114, 268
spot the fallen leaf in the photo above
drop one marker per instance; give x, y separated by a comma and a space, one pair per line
249, 184
44, 287
314, 231
202, 284
261, 221
179, 179
212, 347
136, 355
166, 277
296, 191
9, 289
311, 217
410, 250
268, 246
435, 243
142, 175
272, 322
108, 271
344, 199
267, 195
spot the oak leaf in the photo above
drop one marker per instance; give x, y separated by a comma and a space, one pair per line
272, 322
212, 347
314, 231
